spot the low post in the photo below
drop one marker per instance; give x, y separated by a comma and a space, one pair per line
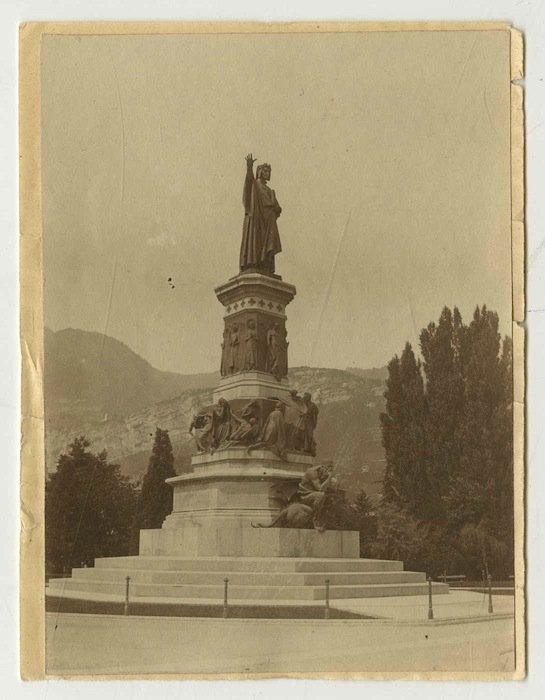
225, 596
490, 608
444, 576
127, 583
326, 609
430, 602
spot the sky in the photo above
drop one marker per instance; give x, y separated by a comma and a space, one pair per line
390, 159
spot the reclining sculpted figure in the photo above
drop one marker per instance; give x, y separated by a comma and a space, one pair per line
305, 508
293, 515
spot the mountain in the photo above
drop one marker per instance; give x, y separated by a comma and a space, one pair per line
92, 376
371, 373
98, 387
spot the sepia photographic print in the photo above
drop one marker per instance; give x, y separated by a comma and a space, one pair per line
272, 373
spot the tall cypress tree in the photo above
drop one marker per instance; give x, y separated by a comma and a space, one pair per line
391, 421
155, 501
403, 428
441, 346
474, 481
501, 508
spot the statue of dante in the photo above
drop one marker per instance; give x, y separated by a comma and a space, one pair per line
260, 238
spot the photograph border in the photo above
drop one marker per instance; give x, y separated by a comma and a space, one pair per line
32, 474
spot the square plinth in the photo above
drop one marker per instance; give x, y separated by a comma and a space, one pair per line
243, 540
251, 385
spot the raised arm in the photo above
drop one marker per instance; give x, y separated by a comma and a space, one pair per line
248, 182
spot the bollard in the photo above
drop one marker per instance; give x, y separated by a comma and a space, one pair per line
490, 608
430, 604
126, 608
444, 577
225, 596
326, 609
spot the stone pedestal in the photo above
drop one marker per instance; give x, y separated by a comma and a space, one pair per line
234, 487
218, 507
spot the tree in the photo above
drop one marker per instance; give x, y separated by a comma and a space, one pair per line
89, 509
449, 445
406, 481
481, 492
155, 501
441, 347
398, 535
365, 521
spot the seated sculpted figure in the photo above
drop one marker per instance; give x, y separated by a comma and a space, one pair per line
200, 429
273, 436
246, 432
313, 489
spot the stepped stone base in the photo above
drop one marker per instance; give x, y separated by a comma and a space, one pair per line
296, 580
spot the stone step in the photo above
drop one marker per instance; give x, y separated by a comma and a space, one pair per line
258, 564
253, 578
245, 592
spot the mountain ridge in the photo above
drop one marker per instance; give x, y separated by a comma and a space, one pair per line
98, 387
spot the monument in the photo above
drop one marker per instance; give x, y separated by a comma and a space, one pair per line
255, 443
252, 508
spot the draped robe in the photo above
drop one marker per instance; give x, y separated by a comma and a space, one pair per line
260, 237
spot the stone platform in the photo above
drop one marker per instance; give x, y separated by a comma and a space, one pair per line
250, 579
238, 539
211, 535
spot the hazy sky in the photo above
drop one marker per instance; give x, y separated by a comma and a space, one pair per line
390, 159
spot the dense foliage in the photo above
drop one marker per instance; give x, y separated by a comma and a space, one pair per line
447, 433
92, 510
89, 510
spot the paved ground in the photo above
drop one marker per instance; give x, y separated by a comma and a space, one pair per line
457, 605
108, 644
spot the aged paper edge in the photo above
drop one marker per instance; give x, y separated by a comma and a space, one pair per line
32, 488
166, 27
32, 573
519, 340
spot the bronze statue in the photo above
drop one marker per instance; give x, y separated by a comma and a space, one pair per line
225, 366
246, 432
260, 237
273, 436
294, 410
313, 489
222, 423
234, 357
307, 424
273, 350
201, 430
282, 362
293, 515
250, 361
